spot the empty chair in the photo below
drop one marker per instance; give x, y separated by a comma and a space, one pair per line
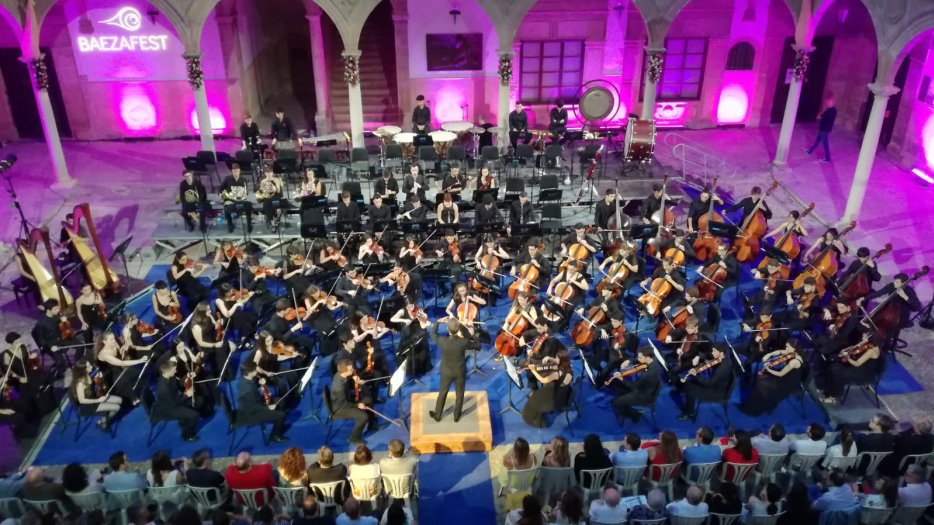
593, 481
548, 182
124, 499
359, 161
12, 508
551, 217
328, 158
47, 506
736, 473
489, 156
524, 152
875, 515
552, 157
428, 159
393, 156
456, 154
800, 465
905, 515
173, 497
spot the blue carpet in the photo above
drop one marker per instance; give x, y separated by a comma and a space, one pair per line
898, 380
455, 482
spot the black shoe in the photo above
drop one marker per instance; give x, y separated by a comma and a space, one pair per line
191, 439
279, 439
433, 416
230, 228
457, 418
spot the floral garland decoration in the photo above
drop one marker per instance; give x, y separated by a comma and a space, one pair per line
655, 62
41, 69
505, 69
195, 74
802, 59
351, 70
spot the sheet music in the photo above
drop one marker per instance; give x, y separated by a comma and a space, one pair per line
512, 373
658, 355
306, 378
587, 369
398, 378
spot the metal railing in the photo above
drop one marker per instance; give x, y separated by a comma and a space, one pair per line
696, 160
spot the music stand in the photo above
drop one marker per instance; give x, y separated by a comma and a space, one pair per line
478, 195
490, 227
643, 231
774, 253
514, 379
416, 226
527, 230
385, 224
396, 382
120, 251
587, 368
314, 231
347, 227
722, 229
305, 381
550, 195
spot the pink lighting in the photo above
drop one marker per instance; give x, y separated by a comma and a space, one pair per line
218, 121
927, 141
137, 111
446, 106
670, 114
733, 105
922, 175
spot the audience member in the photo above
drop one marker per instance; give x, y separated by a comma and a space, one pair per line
75, 480
308, 513
630, 453
557, 454
814, 444
593, 457
917, 491
162, 473
883, 493
292, 469
741, 452
726, 500
665, 452
324, 470
121, 478
608, 509
768, 503
244, 475
839, 497
397, 514
187, 515
397, 463
519, 456
846, 448
775, 443
691, 506
798, 509
878, 439
569, 510
353, 514
363, 469
12, 484
38, 487
703, 450
530, 513
201, 474
653, 509
917, 439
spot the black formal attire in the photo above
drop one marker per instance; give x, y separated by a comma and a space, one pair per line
190, 287
488, 215
547, 398
518, 126
676, 275
421, 116
382, 185
834, 375
204, 478
46, 335
171, 403
244, 207
412, 213
544, 267
346, 408
770, 390
194, 199
870, 272
413, 341
650, 205
349, 212
355, 303
453, 184
712, 385
242, 321
322, 320
873, 442
377, 214
486, 138
283, 130
252, 410
684, 245
904, 307
641, 391
603, 212
280, 330
747, 205
696, 210
557, 123
408, 184
453, 370
521, 213
249, 133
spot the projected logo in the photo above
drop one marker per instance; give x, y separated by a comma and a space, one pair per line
130, 20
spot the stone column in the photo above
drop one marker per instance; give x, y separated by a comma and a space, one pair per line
401, 23
653, 73
791, 104
354, 95
196, 79
320, 72
39, 75
504, 76
867, 152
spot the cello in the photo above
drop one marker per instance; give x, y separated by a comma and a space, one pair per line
885, 317
705, 245
652, 299
507, 342
746, 244
712, 278
857, 284
824, 265
585, 331
617, 273
670, 323
577, 253
789, 245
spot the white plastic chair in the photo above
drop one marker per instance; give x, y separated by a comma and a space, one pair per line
46, 506
905, 515
628, 478
763, 520
659, 521
875, 515
665, 477
176, 496
12, 508
126, 498
206, 498
845, 463
723, 519
519, 480
769, 465
593, 481
553, 480
327, 494
737, 473
250, 498
800, 464
89, 501
687, 520
400, 486
875, 458
699, 474
367, 489
291, 498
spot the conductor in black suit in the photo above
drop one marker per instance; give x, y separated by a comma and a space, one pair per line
251, 409
174, 403
640, 391
453, 367
712, 385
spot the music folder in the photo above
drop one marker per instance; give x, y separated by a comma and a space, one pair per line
347, 226
723, 230
417, 226
643, 231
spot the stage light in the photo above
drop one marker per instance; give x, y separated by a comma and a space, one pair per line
733, 105
922, 175
7, 163
927, 142
218, 121
137, 111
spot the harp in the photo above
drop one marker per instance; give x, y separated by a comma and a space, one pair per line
48, 282
99, 275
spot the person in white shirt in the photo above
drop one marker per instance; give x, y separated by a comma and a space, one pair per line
691, 506
352, 514
608, 510
846, 448
362, 468
776, 443
814, 445
917, 491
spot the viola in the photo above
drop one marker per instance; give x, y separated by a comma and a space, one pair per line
368, 323
295, 313
618, 336
145, 328
705, 245
857, 284
329, 300
281, 349
537, 345
651, 301
854, 352
746, 244
715, 275
65, 330
528, 274
676, 320
240, 295
264, 271
763, 329
34, 363
584, 332
507, 342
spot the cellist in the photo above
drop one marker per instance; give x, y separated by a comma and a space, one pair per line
610, 307
628, 264
749, 204
578, 236
831, 239
671, 273
678, 241
903, 300
701, 207
533, 254
691, 303
560, 306
461, 297
712, 274
792, 224
863, 259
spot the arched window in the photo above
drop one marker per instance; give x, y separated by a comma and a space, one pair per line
741, 57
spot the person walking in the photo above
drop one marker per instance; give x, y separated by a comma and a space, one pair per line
824, 127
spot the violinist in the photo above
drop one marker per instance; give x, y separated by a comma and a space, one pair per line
450, 250
378, 214
295, 270
447, 211
459, 298
253, 408
413, 209
605, 209
318, 308
90, 399
805, 302
520, 317
863, 260
366, 332
348, 351
780, 376
227, 258
413, 339
347, 209
89, 307
453, 183
330, 257
773, 284
134, 334
534, 255
175, 402
520, 212
679, 242
407, 284
555, 376
115, 363
234, 312
571, 296
411, 253
841, 324
166, 306
858, 364
206, 340
267, 357
831, 239
604, 330
903, 301
194, 200
286, 331
352, 288
628, 267
652, 203
370, 252
348, 404
687, 343
760, 340
709, 378
386, 186
749, 204
414, 183
578, 236
629, 392
48, 334
487, 212
701, 207
17, 394
184, 273
792, 225
269, 195
189, 368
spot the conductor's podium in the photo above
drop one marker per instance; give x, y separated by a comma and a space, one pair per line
473, 433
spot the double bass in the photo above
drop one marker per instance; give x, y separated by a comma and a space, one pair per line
824, 265
857, 284
886, 317
789, 245
664, 218
746, 244
705, 245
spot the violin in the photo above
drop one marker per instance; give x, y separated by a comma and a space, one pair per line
264, 271
402, 280
295, 313
240, 295
584, 332
746, 245
97, 383
65, 330
281, 349
703, 367
658, 290
528, 274
775, 362
329, 300
100, 309
267, 397
507, 342
673, 322
356, 387
805, 302
175, 314
715, 275
763, 329
145, 328
623, 374
853, 353
454, 249
34, 363
368, 323
857, 284
219, 329
705, 245
618, 336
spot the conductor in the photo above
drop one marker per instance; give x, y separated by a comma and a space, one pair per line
453, 367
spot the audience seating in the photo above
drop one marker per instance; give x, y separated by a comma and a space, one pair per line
875, 515
628, 478
764, 520
868, 462
553, 480
46, 506
659, 521
593, 481
12, 508
89, 501
367, 490
290, 498
723, 519
519, 480
846, 464
736, 473
124, 499
907, 515
327, 494
206, 498
768, 466
699, 474
400, 487
849, 516
800, 464
250, 498
687, 520
911, 459
665, 477
175, 497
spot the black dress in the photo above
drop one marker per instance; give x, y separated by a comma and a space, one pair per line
771, 390
547, 398
191, 288
297, 283
243, 321
413, 345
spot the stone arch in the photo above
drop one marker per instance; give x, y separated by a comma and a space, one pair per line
349, 17
906, 37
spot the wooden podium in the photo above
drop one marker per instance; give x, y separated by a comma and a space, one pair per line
473, 433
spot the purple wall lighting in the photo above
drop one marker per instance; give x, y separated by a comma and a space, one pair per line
137, 112
927, 142
218, 120
447, 103
733, 105
671, 114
